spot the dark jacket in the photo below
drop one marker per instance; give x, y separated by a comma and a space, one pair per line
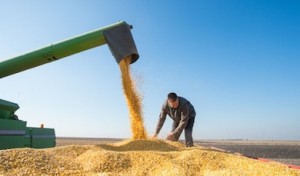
180, 115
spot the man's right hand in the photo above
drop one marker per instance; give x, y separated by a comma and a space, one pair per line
154, 136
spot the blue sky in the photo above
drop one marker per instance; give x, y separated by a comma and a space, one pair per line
236, 61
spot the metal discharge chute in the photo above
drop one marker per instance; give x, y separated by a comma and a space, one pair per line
13, 132
117, 36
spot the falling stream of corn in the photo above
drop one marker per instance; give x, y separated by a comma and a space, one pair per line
138, 156
133, 101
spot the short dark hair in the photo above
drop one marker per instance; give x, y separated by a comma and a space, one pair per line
172, 96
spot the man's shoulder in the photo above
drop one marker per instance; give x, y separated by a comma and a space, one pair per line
184, 103
182, 100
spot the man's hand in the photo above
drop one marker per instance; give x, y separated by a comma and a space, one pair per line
170, 136
154, 136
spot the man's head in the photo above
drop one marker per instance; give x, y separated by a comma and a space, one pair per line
173, 100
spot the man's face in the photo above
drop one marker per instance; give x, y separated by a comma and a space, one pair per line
173, 104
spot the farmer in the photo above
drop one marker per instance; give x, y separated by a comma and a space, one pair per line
183, 114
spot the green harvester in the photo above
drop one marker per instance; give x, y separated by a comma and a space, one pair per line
13, 132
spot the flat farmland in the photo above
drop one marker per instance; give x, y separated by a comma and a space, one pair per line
287, 152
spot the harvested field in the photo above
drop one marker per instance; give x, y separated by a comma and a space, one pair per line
287, 152
132, 157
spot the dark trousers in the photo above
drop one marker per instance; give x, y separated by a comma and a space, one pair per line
187, 132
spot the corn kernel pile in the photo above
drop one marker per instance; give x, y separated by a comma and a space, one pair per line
134, 157
133, 101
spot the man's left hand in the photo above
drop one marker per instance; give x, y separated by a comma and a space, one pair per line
170, 136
